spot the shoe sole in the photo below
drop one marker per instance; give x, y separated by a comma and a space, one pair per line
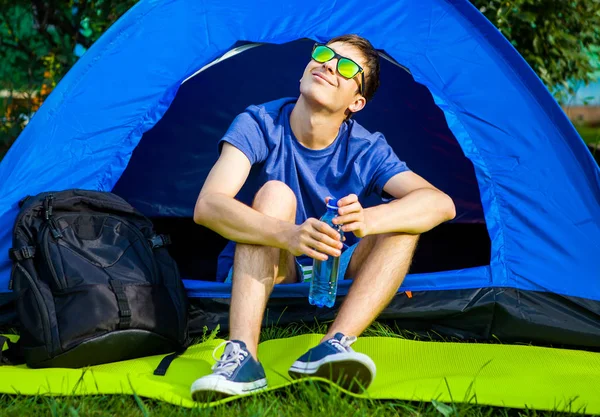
351, 371
212, 389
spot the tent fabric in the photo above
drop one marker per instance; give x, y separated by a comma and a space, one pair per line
462, 279
485, 374
538, 184
500, 314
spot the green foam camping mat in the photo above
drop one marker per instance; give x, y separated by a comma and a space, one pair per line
486, 374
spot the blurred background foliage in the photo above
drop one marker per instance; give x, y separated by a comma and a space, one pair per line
40, 40
558, 38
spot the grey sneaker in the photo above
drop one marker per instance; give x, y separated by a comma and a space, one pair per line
235, 373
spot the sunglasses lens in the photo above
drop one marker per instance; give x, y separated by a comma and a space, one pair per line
347, 68
322, 54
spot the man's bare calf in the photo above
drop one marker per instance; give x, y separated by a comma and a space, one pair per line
256, 269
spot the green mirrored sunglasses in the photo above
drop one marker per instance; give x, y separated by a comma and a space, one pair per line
345, 66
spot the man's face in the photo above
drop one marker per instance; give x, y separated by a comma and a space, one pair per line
322, 83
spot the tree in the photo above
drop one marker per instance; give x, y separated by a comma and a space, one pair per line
40, 40
558, 38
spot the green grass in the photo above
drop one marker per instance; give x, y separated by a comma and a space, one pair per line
300, 400
297, 400
590, 134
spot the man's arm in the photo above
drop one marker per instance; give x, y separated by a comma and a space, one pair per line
217, 208
418, 207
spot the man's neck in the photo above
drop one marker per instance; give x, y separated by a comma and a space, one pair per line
314, 129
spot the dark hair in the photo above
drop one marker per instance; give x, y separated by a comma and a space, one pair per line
372, 58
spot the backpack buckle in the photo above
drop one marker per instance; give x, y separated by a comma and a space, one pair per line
18, 255
158, 241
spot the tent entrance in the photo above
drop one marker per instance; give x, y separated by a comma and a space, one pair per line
172, 160
447, 247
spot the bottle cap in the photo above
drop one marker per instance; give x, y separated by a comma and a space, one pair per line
332, 203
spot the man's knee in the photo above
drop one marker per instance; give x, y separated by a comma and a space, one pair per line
276, 199
388, 244
403, 240
402, 244
399, 246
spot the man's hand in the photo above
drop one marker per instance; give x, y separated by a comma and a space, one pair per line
315, 239
351, 216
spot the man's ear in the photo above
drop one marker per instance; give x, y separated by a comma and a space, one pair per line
358, 104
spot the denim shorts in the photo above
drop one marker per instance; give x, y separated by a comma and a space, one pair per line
304, 266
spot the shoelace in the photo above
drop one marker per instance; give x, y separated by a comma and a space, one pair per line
344, 344
229, 361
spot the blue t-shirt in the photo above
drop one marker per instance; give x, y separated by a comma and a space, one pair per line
357, 162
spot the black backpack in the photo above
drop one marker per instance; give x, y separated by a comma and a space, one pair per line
94, 283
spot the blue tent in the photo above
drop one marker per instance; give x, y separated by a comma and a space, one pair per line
141, 112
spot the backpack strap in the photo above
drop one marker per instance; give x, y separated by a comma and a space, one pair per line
123, 303
19, 255
12, 355
164, 364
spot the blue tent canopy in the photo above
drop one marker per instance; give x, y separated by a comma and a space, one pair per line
457, 102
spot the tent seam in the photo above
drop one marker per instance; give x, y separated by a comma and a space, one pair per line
495, 200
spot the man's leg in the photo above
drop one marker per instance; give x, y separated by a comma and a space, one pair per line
378, 267
256, 269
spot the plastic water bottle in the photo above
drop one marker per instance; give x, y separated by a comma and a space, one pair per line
323, 286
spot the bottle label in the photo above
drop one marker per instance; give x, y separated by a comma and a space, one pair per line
307, 273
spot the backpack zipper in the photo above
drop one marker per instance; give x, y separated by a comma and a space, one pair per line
50, 218
63, 284
146, 245
37, 209
60, 283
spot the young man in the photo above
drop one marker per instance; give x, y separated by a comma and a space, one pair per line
310, 149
